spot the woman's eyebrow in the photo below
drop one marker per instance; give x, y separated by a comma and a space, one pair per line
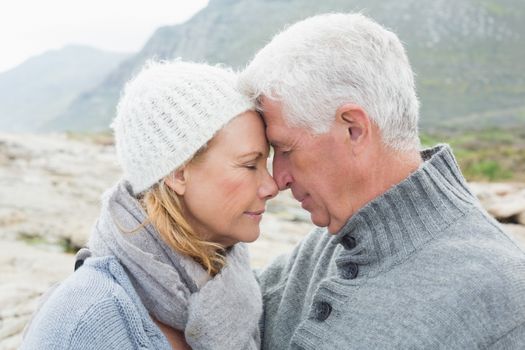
258, 154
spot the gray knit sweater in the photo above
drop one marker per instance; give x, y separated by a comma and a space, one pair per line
420, 267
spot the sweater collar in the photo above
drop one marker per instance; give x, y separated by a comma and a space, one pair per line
407, 216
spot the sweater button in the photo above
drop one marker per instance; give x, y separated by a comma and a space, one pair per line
349, 271
322, 310
348, 242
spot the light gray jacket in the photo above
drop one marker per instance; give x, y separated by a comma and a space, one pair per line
420, 267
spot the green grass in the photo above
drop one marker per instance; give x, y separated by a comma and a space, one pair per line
31, 238
494, 8
488, 170
34, 239
487, 155
68, 246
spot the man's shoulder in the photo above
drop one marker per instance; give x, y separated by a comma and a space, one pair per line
456, 289
477, 275
476, 242
472, 248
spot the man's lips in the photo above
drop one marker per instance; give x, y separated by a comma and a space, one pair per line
299, 198
303, 199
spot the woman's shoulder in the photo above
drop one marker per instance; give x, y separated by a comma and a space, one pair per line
98, 278
85, 307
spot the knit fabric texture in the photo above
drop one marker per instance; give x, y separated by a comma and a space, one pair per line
422, 266
96, 308
167, 113
175, 289
214, 313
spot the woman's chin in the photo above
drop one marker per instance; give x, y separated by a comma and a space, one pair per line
245, 236
251, 237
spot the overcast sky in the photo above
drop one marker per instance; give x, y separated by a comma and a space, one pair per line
30, 27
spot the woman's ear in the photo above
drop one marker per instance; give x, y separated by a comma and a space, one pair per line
177, 180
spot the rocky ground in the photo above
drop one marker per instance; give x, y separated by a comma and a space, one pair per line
49, 197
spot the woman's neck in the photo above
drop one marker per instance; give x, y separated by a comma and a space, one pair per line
174, 336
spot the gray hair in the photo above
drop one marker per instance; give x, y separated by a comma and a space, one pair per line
321, 63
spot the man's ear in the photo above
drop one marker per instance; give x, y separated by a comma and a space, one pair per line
356, 123
177, 180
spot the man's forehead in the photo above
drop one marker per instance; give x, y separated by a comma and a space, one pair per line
272, 132
277, 129
270, 108
280, 135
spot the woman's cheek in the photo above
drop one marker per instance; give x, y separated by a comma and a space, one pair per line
236, 192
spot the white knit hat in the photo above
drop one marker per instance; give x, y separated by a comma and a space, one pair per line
167, 113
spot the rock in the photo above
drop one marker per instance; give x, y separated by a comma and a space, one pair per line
51, 186
507, 206
50, 190
490, 190
27, 272
504, 201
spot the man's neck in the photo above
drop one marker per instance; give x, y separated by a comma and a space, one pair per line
397, 166
389, 170
379, 174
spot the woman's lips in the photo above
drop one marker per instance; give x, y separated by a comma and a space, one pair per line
255, 215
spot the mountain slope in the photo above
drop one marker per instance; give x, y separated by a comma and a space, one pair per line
468, 55
42, 87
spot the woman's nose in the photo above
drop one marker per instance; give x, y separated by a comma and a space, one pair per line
268, 188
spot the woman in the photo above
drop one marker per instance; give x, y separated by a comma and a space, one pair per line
167, 270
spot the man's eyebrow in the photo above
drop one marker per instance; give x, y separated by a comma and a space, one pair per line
277, 144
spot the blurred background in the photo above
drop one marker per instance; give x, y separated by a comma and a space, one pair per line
64, 63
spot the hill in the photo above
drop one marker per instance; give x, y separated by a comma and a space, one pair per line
42, 87
468, 55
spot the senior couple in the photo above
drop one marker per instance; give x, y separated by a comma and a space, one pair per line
403, 257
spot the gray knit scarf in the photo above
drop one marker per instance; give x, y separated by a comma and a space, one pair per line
215, 313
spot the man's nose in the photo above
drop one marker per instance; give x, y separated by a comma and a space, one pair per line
281, 174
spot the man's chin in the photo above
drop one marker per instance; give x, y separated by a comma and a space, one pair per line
332, 226
319, 221
333, 229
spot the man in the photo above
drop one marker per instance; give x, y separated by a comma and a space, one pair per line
407, 258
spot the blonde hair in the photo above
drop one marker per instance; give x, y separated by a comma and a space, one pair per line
165, 213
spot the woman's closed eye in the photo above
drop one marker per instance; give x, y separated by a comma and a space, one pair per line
253, 160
